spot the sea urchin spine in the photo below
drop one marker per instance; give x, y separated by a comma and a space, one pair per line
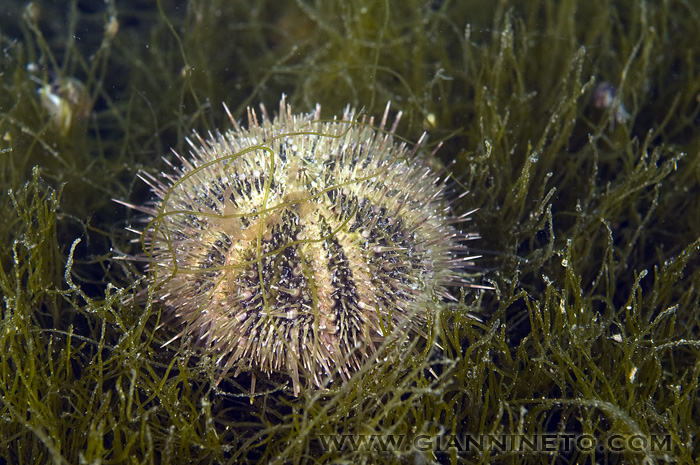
281, 246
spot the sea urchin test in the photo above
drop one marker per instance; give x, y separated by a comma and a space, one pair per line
291, 246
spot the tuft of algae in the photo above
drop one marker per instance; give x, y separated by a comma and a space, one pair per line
588, 214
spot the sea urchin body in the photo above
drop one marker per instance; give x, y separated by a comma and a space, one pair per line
290, 246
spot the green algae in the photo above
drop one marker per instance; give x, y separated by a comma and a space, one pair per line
589, 223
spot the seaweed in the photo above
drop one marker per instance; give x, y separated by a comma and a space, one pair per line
588, 216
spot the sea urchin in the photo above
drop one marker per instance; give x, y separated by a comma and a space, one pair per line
291, 246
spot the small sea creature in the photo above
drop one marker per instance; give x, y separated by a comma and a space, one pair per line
604, 97
65, 100
296, 245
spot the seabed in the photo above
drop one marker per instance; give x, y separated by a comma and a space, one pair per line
572, 125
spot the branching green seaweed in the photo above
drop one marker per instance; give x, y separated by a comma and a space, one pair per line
590, 226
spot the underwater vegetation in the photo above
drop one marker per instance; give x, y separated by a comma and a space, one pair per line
572, 125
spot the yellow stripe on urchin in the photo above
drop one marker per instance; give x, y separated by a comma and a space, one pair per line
289, 246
